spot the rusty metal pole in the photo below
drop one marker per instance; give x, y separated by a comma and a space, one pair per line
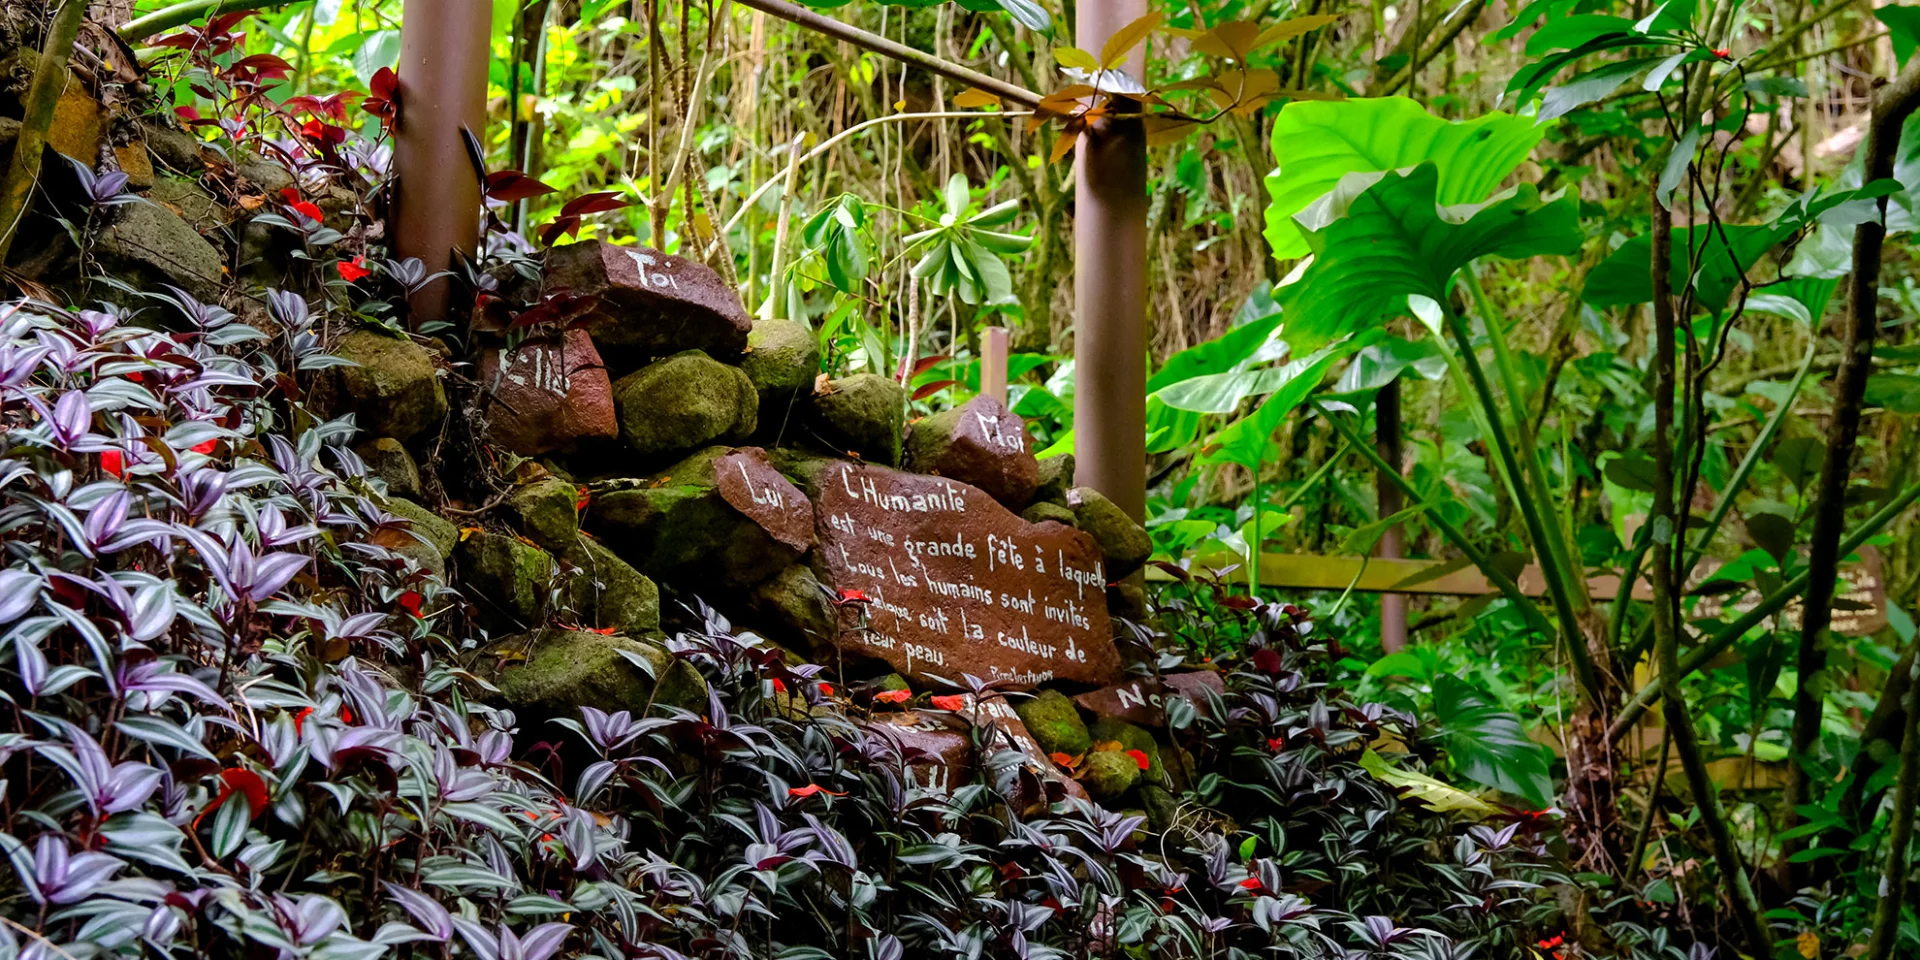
443, 86
1110, 284
1386, 418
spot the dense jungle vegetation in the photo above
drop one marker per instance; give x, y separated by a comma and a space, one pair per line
1608, 306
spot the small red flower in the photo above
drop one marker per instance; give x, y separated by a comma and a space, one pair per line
308, 210
852, 596
410, 602
1140, 758
1553, 941
779, 687
952, 701
1276, 744
826, 689
811, 789
1250, 883
204, 446
1061, 759
113, 463
353, 271
582, 495
893, 696
346, 714
326, 133
300, 719
1724, 53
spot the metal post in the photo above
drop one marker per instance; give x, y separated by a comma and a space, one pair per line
1110, 284
1393, 606
993, 363
443, 86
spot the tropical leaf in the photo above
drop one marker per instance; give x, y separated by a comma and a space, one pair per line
1434, 793
1316, 143
1386, 238
1488, 744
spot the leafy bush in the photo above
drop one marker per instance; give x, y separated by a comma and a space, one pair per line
239, 725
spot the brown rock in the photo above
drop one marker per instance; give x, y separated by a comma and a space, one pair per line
78, 126
752, 486
938, 752
979, 443
939, 580
1143, 701
650, 302
546, 395
387, 459
135, 162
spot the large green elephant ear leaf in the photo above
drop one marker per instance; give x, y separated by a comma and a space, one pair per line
1393, 239
1713, 257
1316, 142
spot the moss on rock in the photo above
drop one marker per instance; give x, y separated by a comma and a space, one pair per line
675, 525
685, 401
394, 389
388, 460
793, 603
1056, 478
544, 510
864, 414
1055, 723
1130, 737
505, 578
1046, 510
606, 591
429, 541
782, 360
1124, 543
1108, 775
556, 672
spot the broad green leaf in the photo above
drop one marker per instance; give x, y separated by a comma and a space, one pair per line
1394, 240
1245, 441
1222, 392
1625, 277
1678, 160
1382, 363
1897, 392
1903, 29
1488, 744
1435, 794
1219, 355
1316, 143
1561, 99
381, 48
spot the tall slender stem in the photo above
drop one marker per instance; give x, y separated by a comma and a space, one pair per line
1893, 880
49, 80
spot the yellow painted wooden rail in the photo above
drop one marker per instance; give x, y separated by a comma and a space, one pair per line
1307, 571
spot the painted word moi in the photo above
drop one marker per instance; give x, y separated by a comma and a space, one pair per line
957, 584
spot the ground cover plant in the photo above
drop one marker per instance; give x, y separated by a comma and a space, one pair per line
1559, 296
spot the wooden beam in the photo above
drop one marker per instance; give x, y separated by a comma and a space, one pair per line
1306, 571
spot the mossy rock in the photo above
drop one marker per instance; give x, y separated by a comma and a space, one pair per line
675, 527
394, 389
1123, 543
1130, 737
782, 360
606, 591
685, 401
1046, 510
1056, 478
1055, 723
1108, 775
545, 511
388, 460
192, 202
864, 414
146, 245
556, 672
506, 579
429, 541
1160, 805
793, 605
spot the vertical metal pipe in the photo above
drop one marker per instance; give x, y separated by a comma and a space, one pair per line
1386, 419
1110, 284
993, 363
443, 86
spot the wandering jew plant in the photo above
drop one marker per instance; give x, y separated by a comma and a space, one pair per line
235, 726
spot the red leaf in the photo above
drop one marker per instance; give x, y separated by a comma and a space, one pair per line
410, 602
562, 226
1140, 758
1250, 883
111, 462
951, 701
1276, 744
354, 271
594, 203
826, 689
924, 364
893, 696
384, 83
204, 446
812, 789
1268, 662
852, 596
928, 390
308, 210
246, 783
510, 186
779, 687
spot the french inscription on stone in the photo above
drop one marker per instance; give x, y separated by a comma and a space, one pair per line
749, 483
957, 584
1143, 701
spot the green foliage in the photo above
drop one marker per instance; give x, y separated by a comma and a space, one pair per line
963, 253
1488, 744
1317, 144
1382, 238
